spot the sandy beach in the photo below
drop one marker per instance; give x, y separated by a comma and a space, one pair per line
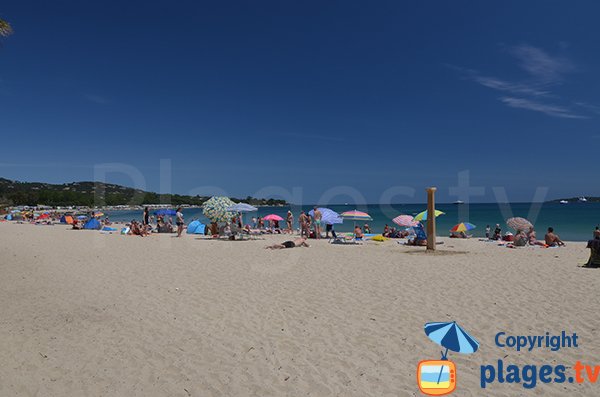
91, 314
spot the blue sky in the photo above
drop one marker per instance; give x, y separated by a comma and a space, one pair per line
243, 96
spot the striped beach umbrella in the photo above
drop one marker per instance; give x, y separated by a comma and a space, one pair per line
215, 209
355, 215
328, 216
463, 227
452, 337
405, 221
423, 215
519, 223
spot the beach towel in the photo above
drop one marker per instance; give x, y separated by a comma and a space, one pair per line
109, 229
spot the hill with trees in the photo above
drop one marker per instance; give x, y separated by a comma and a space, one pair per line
97, 194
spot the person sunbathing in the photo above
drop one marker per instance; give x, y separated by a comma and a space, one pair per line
299, 242
520, 239
552, 240
532, 239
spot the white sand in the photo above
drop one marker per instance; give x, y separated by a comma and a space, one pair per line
87, 314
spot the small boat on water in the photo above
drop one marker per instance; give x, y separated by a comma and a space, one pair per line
563, 202
582, 199
458, 202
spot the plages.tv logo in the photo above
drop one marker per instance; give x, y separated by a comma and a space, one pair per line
438, 377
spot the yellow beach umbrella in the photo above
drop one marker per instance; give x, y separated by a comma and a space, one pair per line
423, 215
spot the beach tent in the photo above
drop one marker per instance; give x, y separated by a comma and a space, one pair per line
9, 217
196, 227
68, 219
92, 224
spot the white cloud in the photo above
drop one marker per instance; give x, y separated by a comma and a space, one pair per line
550, 110
543, 71
515, 88
540, 65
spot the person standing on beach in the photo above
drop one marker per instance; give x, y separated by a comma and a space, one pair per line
497, 232
487, 231
179, 221
318, 216
290, 221
303, 220
146, 220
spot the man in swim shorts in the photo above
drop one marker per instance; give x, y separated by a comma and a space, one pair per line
318, 216
299, 242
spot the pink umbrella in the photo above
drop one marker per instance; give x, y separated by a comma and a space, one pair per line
405, 221
272, 217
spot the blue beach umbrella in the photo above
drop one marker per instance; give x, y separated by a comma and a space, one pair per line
452, 337
329, 217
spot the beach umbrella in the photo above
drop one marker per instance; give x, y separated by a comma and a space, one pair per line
518, 223
81, 217
165, 212
215, 209
463, 227
98, 214
272, 217
328, 216
452, 337
241, 207
355, 215
423, 215
405, 221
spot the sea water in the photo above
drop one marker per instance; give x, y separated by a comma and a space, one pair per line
572, 222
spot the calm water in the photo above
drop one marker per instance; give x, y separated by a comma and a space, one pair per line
574, 221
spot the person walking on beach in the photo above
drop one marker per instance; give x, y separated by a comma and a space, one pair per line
179, 221
290, 221
318, 216
146, 220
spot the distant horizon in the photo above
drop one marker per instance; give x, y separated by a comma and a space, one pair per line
310, 203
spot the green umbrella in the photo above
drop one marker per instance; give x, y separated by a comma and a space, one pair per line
215, 209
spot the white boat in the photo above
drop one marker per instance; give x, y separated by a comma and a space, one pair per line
563, 202
582, 199
459, 202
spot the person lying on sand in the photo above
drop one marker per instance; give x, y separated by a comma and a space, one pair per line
299, 242
552, 240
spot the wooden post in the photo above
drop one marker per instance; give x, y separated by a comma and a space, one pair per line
431, 218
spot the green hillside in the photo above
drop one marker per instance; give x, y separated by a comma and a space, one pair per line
96, 194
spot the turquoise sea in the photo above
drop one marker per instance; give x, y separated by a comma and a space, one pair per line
573, 221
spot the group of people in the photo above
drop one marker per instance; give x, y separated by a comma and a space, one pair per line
525, 237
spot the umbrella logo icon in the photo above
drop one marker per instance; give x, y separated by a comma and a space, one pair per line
438, 377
